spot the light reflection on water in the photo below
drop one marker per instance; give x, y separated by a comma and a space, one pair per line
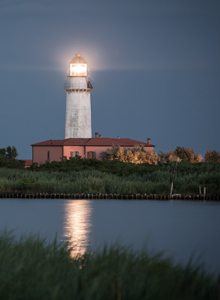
77, 224
181, 228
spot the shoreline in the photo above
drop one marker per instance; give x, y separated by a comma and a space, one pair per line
85, 196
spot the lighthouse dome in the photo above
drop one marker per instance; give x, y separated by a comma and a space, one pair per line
78, 59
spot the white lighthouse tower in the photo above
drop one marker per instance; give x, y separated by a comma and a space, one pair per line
78, 101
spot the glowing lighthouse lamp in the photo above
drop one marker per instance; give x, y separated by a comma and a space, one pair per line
78, 102
78, 69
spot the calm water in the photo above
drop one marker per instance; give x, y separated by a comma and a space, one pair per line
181, 228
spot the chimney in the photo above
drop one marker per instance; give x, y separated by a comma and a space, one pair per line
96, 134
149, 141
118, 137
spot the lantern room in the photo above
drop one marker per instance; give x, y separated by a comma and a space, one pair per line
78, 66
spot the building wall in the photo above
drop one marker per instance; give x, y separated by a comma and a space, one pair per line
68, 149
149, 148
97, 149
40, 153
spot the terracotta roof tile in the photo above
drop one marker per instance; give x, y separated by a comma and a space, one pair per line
28, 162
50, 143
101, 141
75, 142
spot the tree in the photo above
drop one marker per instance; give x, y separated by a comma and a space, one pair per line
7, 158
2, 152
168, 157
137, 155
14, 152
187, 154
11, 152
212, 156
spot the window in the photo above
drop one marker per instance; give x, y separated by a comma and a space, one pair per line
91, 154
48, 155
74, 153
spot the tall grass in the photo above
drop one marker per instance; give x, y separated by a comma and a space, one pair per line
94, 181
32, 269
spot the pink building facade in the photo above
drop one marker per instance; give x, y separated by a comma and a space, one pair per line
55, 150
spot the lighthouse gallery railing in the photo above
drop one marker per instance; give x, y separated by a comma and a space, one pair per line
77, 86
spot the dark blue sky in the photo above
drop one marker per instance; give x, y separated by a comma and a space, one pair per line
155, 65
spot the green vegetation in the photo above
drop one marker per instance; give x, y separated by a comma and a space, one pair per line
9, 152
32, 269
114, 174
8, 158
93, 176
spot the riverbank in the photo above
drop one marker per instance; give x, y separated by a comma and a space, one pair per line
32, 269
149, 180
101, 196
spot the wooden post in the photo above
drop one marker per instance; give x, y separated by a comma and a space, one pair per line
204, 192
171, 186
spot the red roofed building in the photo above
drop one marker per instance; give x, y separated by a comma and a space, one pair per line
54, 150
28, 162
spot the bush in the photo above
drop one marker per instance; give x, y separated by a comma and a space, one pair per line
25, 184
11, 163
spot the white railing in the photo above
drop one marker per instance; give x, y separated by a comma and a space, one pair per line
78, 86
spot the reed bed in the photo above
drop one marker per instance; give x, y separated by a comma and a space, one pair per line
34, 269
94, 181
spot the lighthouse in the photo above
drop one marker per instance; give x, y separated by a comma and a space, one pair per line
78, 101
